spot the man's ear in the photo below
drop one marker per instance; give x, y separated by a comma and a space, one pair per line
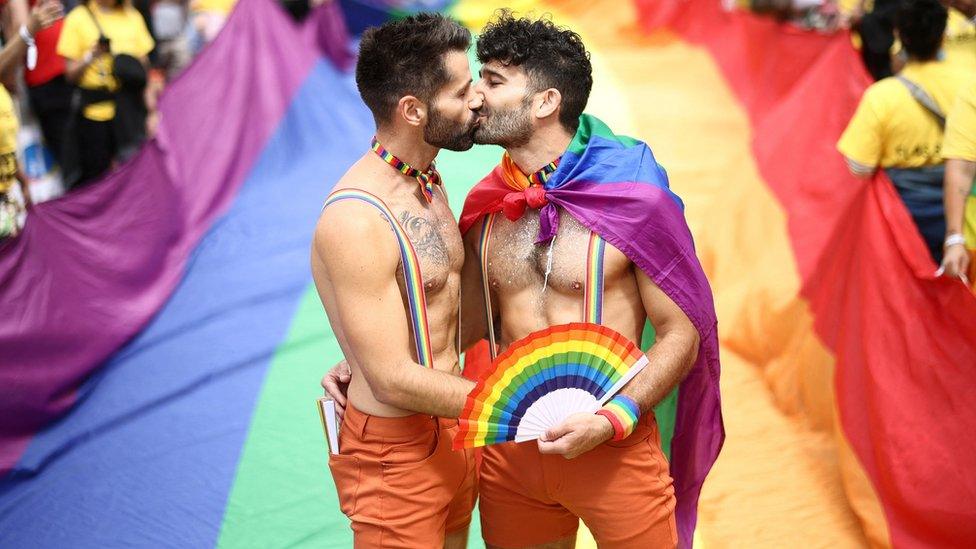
412, 110
547, 103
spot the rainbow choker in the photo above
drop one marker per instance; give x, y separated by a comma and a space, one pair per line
426, 179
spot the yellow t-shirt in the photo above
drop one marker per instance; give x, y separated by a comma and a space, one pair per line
960, 42
127, 31
8, 141
890, 129
223, 7
960, 135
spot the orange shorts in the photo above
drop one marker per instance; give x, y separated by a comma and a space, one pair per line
621, 490
399, 482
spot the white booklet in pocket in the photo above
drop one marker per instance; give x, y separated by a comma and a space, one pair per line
330, 423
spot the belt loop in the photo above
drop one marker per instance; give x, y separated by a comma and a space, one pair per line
362, 428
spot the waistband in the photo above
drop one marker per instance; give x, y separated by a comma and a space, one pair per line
363, 424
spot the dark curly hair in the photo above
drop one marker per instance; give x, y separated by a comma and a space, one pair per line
921, 24
552, 57
406, 57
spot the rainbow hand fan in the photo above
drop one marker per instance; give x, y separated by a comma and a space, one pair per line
545, 377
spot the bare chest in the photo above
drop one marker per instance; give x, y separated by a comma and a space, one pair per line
516, 263
434, 237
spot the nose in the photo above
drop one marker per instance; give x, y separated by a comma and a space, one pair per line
476, 101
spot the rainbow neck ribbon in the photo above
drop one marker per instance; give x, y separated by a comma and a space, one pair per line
426, 179
412, 278
518, 181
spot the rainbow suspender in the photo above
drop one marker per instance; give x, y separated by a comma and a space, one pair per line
592, 292
416, 300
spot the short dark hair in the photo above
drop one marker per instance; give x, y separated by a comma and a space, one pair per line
406, 57
921, 24
552, 57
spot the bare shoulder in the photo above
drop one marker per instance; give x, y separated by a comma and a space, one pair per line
351, 234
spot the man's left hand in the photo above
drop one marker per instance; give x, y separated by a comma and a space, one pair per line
579, 434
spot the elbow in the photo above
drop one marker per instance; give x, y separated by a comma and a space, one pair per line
386, 392
859, 170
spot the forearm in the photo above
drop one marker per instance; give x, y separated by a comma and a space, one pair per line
74, 68
24, 185
12, 54
958, 184
670, 360
413, 387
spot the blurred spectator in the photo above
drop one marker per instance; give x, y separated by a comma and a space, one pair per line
820, 15
877, 30
960, 40
106, 45
48, 92
168, 26
42, 16
207, 17
899, 122
959, 151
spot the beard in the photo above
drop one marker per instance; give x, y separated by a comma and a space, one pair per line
508, 128
447, 134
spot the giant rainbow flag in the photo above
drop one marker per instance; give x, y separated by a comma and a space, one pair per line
161, 342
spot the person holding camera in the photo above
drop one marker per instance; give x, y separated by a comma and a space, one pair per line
106, 45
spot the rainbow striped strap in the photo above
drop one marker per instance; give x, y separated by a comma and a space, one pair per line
540, 177
623, 412
412, 277
593, 292
427, 179
483, 241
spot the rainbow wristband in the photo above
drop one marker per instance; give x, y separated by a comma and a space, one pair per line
622, 412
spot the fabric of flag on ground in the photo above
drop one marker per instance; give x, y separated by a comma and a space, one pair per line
161, 343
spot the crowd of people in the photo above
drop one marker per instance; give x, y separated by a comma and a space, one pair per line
917, 122
91, 80
90, 75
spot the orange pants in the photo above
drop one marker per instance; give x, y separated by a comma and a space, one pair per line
621, 490
399, 482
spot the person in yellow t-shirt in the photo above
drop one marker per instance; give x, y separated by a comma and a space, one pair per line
207, 19
893, 130
959, 150
42, 16
960, 40
9, 209
92, 34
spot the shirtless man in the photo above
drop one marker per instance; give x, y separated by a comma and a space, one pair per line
395, 312
607, 470
534, 85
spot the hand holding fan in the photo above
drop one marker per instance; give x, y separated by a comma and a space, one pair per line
545, 377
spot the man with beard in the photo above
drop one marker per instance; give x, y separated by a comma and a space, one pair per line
575, 196
397, 478
590, 233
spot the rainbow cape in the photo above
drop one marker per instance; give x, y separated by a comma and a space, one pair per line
613, 185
